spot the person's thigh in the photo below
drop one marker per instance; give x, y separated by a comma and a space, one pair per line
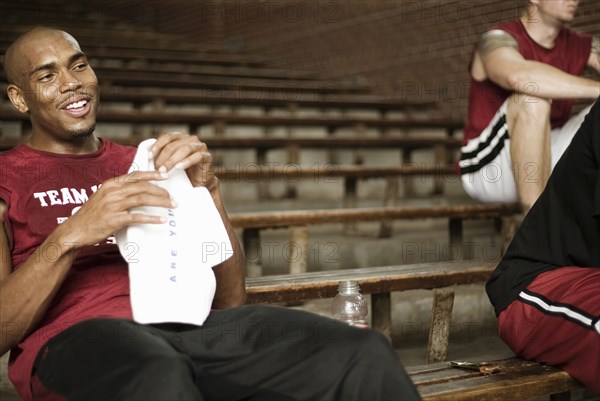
487, 172
265, 352
112, 359
561, 137
557, 321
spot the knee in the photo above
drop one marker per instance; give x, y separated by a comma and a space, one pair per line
522, 106
367, 345
375, 345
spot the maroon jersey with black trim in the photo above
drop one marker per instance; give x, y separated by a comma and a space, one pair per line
41, 191
570, 53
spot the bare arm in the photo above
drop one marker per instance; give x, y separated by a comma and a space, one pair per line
230, 275
26, 293
192, 155
498, 58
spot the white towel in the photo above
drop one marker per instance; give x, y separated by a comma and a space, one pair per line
170, 264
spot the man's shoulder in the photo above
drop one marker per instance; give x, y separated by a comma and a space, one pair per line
572, 34
512, 27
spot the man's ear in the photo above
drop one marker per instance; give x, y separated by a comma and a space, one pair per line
15, 94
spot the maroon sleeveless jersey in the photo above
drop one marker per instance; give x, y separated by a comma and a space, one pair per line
41, 191
570, 53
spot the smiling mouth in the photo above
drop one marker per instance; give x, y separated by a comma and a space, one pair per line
78, 109
77, 105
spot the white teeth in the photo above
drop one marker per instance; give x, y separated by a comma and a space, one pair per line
77, 105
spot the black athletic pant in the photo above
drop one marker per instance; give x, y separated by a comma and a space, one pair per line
245, 353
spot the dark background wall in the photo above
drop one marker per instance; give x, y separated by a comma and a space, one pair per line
407, 49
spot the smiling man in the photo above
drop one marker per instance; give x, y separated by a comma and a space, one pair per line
65, 310
52, 81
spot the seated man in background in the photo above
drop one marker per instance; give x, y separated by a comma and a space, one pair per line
65, 307
546, 289
523, 75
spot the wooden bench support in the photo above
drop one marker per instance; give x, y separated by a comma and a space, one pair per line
253, 252
455, 230
390, 198
220, 127
408, 182
298, 250
381, 313
441, 156
262, 185
360, 131
293, 153
350, 190
291, 191
441, 317
332, 156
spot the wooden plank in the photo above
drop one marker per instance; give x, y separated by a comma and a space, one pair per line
254, 98
255, 172
514, 379
501, 387
199, 119
375, 280
127, 78
170, 56
265, 143
307, 217
109, 37
100, 66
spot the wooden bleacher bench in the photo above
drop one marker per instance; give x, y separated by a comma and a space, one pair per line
249, 98
173, 56
111, 37
131, 44
507, 379
289, 218
206, 70
298, 221
195, 120
289, 172
263, 99
442, 146
134, 78
349, 176
380, 282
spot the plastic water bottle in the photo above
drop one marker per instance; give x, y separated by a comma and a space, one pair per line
349, 305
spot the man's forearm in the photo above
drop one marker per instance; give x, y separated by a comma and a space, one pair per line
544, 81
230, 275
